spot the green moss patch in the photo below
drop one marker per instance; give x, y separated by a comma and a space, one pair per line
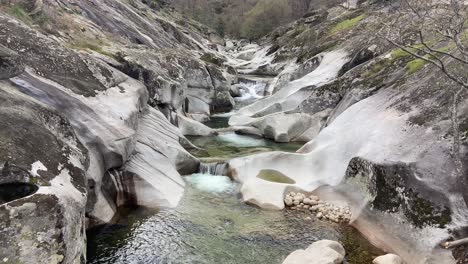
210, 58
20, 13
415, 65
347, 24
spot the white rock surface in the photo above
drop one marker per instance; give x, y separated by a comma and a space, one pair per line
320, 252
270, 116
388, 259
325, 159
190, 127
289, 97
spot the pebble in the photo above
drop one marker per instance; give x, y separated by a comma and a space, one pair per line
321, 209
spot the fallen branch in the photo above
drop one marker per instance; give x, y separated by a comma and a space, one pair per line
456, 243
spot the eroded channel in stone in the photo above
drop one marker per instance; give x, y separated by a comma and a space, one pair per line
212, 224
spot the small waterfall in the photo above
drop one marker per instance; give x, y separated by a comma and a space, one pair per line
213, 168
251, 90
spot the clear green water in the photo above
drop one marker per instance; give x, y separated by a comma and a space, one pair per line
212, 225
231, 145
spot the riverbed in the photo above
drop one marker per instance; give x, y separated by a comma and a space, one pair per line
213, 225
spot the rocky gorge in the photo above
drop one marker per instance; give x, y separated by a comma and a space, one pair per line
112, 104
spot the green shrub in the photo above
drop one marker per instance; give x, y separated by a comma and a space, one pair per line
20, 13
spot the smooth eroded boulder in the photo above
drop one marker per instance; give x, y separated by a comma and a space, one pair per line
388, 259
320, 252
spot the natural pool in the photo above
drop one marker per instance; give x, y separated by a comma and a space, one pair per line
212, 225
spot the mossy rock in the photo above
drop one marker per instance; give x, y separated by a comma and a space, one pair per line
210, 58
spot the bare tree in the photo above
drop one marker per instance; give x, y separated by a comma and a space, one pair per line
435, 31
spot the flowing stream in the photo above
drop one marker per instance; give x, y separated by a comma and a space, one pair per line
213, 225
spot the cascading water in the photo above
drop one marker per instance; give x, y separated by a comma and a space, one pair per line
251, 90
214, 168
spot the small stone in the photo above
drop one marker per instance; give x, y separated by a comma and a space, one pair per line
306, 206
5, 259
319, 215
299, 206
307, 201
308, 218
298, 198
314, 198
288, 201
296, 202
314, 208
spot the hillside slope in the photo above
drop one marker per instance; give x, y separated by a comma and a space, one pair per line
111, 68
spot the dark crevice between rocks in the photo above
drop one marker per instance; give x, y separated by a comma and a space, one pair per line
357, 58
16, 190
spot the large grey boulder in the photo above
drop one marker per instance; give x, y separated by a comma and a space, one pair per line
189, 127
152, 175
42, 183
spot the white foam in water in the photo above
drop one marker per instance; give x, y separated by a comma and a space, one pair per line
241, 141
251, 91
210, 183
